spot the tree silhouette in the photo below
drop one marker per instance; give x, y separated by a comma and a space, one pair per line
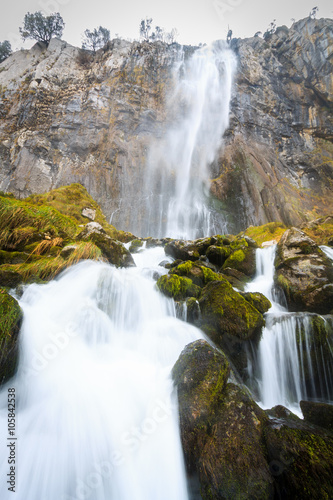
5, 50
95, 39
41, 28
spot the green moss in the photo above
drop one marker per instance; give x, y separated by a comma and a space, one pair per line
307, 473
177, 287
218, 254
237, 256
197, 272
228, 312
47, 267
258, 300
267, 232
11, 316
135, 245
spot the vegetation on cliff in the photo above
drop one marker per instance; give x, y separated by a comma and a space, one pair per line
45, 234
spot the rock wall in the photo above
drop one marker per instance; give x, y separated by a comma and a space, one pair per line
67, 116
277, 163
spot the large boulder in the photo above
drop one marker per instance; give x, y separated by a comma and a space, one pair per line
11, 317
229, 320
221, 427
225, 311
304, 273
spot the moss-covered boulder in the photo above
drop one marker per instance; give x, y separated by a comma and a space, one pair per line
300, 458
221, 427
10, 320
233, 460
236, 278
177, 287
242, 257
197, 271
304, 273
258, 300
218, 254
135, 245
189, 250
225, 311
200, 375
320, 414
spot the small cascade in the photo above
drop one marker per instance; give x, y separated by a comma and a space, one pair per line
294, 359
96, 411
328, 251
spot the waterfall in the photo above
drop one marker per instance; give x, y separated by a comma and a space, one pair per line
96, 412
289, 364
175, 201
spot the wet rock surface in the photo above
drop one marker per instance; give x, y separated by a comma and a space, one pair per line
304, 273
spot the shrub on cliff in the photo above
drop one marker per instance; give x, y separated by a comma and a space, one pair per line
95, 39
41, 28
5, 50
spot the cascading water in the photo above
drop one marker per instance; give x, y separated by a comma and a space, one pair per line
289, 365
175, 200
96, 413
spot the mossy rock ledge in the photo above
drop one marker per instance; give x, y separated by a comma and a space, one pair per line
304, 273
11, 318
44, 234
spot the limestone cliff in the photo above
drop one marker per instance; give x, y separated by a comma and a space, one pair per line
277, 164
67, 116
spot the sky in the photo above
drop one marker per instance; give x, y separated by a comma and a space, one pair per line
197, 21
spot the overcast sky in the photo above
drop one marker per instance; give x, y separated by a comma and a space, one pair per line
196, 20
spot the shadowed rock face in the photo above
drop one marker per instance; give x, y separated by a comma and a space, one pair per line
68, 118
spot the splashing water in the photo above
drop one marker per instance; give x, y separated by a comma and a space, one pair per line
290, 365
96, 412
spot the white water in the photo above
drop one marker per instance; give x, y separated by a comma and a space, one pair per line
328, 251
281, 362
96, 411
177, 191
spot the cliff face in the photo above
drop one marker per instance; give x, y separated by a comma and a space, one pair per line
278, 160
68, 117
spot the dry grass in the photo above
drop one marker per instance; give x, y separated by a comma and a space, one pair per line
45, 246
21, 221
47, 268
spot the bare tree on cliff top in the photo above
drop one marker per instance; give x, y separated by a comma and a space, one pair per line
96, 39
38, 27
145, 28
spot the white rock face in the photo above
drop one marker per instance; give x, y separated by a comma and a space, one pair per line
89, 213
